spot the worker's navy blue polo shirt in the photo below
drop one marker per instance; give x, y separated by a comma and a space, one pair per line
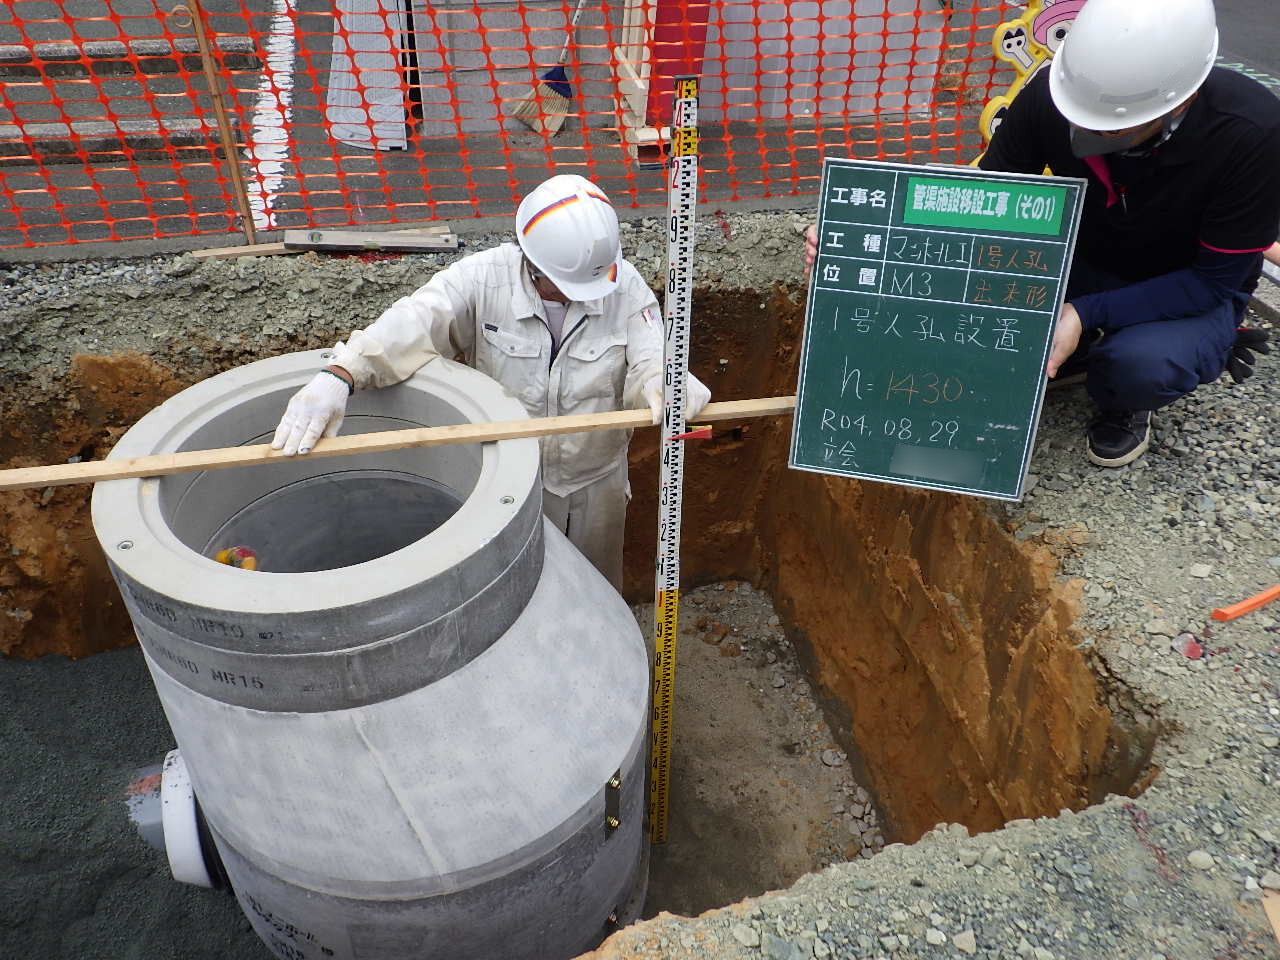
1215, 183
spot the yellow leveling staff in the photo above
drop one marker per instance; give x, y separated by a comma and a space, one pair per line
682, 196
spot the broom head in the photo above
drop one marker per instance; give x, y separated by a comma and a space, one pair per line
547, 105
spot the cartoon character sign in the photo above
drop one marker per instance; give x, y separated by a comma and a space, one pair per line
1028, 43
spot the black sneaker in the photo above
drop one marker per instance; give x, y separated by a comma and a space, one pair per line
1117, 437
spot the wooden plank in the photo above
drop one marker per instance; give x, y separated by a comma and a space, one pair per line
633, 89
1271, 906
358, 240
429, 227
166, 463
245, 250
442, 230
647, 135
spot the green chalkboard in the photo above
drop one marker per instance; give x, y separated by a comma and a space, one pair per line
931, 309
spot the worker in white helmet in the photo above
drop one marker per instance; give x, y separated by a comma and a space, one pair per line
1183, 164
561, 320
1182, 160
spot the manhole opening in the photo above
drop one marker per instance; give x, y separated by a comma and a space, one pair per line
305, 515
336, 520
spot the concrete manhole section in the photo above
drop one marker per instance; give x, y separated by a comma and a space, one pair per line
447, 703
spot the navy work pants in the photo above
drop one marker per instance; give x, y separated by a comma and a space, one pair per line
1146, 366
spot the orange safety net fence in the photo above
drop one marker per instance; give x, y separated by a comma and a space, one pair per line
353, 112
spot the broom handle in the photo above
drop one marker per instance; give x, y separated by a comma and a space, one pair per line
568, 35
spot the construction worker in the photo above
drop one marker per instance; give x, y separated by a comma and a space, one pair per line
561, 320
1183, 167
1183, 164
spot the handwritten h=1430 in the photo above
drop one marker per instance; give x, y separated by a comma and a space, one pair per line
930, 315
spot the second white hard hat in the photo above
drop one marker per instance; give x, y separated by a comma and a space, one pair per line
1127, 62
568, 229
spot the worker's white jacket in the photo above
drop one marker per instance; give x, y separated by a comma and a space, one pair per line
485, 308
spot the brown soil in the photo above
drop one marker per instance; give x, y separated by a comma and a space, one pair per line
59, 594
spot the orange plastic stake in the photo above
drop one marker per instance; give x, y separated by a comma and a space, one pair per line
1247, 606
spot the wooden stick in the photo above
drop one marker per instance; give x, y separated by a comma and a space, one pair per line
1271, 907
158, 465
231, 152
358, 240
249, 250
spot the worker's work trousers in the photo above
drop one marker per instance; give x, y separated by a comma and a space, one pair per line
1147, 366
594, 519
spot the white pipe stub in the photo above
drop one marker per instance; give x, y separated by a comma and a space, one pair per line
181, 833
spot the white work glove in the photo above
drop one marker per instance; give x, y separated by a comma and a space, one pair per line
696, 397
315, 410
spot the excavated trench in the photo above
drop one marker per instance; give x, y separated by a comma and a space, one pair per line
944, 650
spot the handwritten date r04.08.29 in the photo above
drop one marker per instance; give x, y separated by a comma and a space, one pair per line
903, 429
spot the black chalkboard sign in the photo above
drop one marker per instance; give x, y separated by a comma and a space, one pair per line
931, 310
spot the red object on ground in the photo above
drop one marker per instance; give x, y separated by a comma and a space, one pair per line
1191, 649
1247, 606
148, 784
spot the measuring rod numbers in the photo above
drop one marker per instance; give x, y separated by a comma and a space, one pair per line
682, 194
930, 316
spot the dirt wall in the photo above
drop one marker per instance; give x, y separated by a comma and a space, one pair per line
59, 596
945, 646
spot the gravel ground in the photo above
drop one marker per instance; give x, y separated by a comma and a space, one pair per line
300, 298
1176, 874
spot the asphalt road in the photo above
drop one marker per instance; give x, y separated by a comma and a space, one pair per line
1249, 32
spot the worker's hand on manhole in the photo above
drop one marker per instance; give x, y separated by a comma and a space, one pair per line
314, 411
1248, 342
810, 248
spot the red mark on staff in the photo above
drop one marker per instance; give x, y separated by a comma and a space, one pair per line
697, 433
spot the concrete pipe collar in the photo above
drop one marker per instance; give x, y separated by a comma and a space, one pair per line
351, 551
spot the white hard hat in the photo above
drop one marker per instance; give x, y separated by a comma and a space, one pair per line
568, 229
1127, 62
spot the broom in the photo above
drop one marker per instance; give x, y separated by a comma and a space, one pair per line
547, 104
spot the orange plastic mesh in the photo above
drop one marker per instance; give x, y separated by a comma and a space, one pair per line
395, 111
